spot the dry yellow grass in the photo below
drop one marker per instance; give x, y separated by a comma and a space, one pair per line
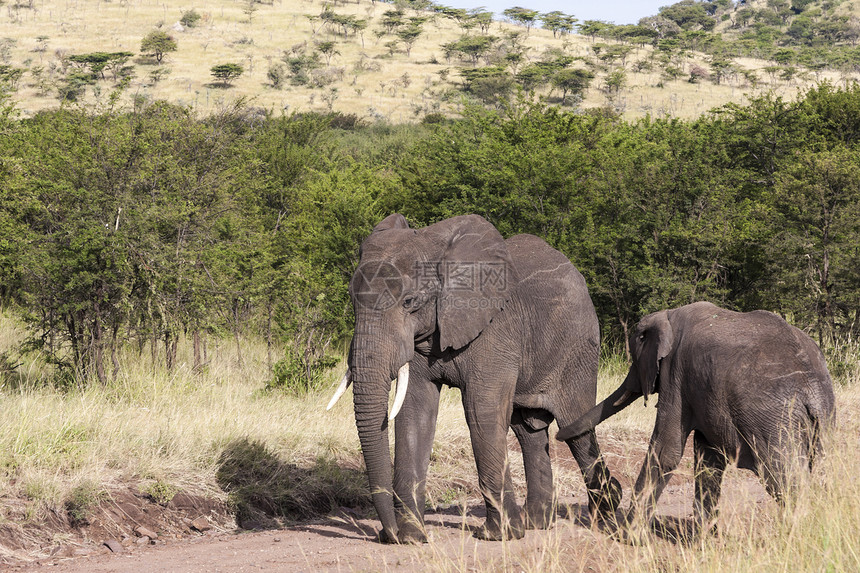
374, 83
152, 426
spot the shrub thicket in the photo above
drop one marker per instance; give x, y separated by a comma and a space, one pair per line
136, 228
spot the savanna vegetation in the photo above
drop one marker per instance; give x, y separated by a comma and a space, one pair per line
174, 284
140, 227
405, 59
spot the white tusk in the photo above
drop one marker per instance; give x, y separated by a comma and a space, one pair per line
622, 399
400, 393
344, 384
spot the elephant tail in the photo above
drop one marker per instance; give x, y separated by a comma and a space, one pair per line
816, 420
820, 415
613, 404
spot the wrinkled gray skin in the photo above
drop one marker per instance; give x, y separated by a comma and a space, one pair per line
523, 351
751, 388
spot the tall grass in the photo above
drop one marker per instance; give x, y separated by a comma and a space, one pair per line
819, 530
149, 423
200, 432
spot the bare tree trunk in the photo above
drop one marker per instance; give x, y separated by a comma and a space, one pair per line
153, 350
170, 343
98, 345
113, 351
197, 357
269, 334
236, 332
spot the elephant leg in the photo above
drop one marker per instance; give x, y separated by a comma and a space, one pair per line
604, 491
784, 454
779, 475
710, 463
488, 414
664, 454
414, 428
534, 444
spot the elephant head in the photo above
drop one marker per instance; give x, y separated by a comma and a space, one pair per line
650, 343
438, 286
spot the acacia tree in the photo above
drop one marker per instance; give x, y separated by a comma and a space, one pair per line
328, 49
226, 73
558, 23
98, 62
482, 18
408, 36
472, 46
522, 16
158, 43
571, 81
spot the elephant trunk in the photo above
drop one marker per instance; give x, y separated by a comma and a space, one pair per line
614, 403
371, 373
370, 397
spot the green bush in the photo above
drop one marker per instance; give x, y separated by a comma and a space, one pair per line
277, 75
190, 18
299, 373
82, 500
161, 492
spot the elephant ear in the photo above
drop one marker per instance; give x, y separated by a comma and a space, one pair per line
477, 277
657, 339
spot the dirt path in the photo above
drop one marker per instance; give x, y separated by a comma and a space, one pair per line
346, 545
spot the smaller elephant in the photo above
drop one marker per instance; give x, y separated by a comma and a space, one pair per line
751, 388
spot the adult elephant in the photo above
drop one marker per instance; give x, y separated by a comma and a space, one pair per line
510, 324
751, 388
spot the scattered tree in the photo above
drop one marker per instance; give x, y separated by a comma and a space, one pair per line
572, 82
226, 73
522, 16
328, 49
408, 36
474, 47
99, 62
249, 7
158, 43
558, 23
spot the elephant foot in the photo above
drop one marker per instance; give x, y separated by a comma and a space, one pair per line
634, 528
411, 533
604, 501
492, 531
388, 537
542, 517
700, 529
407, 533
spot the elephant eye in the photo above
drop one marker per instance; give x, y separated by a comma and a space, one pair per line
415, 302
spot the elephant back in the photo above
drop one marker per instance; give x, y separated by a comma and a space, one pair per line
544, 270
560, 334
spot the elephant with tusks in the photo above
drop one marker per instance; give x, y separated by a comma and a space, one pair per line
508, 322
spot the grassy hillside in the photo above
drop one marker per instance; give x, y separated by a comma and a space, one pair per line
369, 73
